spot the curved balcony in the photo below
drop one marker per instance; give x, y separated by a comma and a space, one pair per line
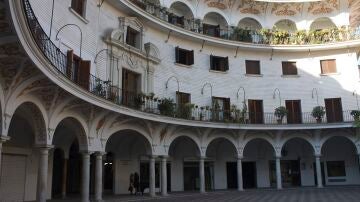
271, 38
165, 107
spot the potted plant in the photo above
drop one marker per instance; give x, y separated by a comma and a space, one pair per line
166, 107
318, 112
356, 115
185, 110
280, 113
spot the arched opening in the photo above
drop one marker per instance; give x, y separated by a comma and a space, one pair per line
180, 14
223, 154
247, 30
215, 25
340, 161
68, 141
20, 158
184, 157
322, 23
285, 25
297, 163
128, 153
256, 166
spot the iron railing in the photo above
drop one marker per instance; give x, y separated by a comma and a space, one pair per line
262, 36
149, 103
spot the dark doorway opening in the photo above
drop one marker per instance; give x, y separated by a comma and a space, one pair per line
57, 177
108, 173
231, 175
249, 175
290, 173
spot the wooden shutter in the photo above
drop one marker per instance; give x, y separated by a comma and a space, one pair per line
252, 67
69, 63
328, 66
212, 62
183, 98
177, 54
333, 110
84, 73
226, 64
294, 111
289, 68
256, 111
191, 57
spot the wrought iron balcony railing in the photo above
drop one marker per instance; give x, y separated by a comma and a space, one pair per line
151, 104
262, 36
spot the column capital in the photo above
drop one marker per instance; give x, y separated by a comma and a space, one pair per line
164, 157
100, 153
240, 157
45, 147
278, 156
86, 152
152, 156
317, 155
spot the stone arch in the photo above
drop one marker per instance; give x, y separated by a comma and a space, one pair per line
297, 138
322, 23
33, 115
174, 139
210, 18
127, 126
182, 8
132, 135
330, 137
256, 140
168, 141
249, 23
220, 140
218, 136
285, 25
76, 125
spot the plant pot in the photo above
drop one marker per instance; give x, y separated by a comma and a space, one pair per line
318, 120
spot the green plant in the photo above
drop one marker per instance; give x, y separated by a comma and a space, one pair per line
356, 115
166, 107
280, 113
185, 110
318, 112
138, 101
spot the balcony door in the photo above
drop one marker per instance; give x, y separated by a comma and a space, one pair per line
294, 111
211, 30
130, 85
256, 111
333, 110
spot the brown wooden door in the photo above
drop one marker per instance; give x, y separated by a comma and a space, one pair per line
84, 74
294, 111
256, 111
333, 110
130, 86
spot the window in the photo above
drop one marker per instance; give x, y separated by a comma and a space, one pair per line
133, 37
182, 98
221, 108
219, 63
252, 67
294, 111
289, 68
336, 168
211, 30
333, 110
256, 111
328, 66
185, 57
79, 6
78, 70
176, 20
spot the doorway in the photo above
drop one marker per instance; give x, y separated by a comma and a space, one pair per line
231, 175
192, 176
294, 111
290, 173
108, 173
57, 177
130, 85
249, 175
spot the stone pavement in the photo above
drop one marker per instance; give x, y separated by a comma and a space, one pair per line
329, 194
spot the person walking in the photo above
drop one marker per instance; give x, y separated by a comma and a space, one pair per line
136, 183
131, 184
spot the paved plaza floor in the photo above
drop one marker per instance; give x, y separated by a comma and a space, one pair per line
328, 194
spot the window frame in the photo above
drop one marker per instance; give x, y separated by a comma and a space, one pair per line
248, 67
341, 168
187, 55
222, 60
75, 7
287, 68
322, 68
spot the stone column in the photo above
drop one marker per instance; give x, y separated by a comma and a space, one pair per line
239, 174
202, 174
318, 171
278, 173
152, 177
3, 139
85, 177
43, 173
99, 176
64, 178
163, 176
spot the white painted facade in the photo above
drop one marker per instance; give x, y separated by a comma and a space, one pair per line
41, 108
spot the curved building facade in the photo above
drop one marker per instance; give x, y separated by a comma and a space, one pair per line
194, 95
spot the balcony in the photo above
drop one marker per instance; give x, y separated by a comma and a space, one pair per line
251, 36
149, 103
